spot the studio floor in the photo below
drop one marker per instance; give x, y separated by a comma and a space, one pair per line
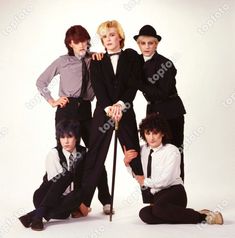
125, 222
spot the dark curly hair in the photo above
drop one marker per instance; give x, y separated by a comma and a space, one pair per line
155, 122
78, 34
66, 128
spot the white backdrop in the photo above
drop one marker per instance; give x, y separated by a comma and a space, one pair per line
199, 38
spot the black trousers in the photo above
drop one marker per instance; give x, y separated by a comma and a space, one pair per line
50, 196
102, 130
169, 207
72, 112
80, 111
177, 130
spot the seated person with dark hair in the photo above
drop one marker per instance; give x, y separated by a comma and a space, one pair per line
161, 166
64, 166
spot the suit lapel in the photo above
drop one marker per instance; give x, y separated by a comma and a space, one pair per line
107, 68
121, 65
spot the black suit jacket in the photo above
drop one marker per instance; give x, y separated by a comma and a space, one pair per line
159, 87
110, 88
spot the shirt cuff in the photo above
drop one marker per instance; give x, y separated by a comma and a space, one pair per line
148, 182
122, 104
107, 109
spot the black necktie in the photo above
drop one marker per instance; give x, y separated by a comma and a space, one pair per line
85, 78
71, 160
149, 164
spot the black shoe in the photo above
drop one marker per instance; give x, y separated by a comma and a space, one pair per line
26, 220
37, 224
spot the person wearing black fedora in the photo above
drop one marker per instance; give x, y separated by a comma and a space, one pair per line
159, 86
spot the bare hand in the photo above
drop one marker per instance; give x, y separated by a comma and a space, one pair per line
97, 56
116, 112
129, 155
109, 113
62, 101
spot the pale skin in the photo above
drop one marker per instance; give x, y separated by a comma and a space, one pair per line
147, 44
153, 139
68, 143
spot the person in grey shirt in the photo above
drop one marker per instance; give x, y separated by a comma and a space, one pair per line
75, 91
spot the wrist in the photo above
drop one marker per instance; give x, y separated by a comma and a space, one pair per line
51, 102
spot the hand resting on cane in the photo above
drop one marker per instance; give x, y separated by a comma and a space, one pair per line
115, 112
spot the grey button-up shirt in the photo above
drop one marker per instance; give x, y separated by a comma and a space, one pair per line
70, 70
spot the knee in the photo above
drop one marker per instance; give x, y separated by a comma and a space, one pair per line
158, 211
144, 214
36, 199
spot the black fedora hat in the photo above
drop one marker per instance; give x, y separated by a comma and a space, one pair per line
148, 30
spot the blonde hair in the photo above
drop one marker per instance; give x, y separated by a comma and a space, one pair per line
102, 29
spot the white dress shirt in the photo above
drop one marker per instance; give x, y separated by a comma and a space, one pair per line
114, 60
165, 167
53, 166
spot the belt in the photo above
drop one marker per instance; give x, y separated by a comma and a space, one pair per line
75, 100
160, 101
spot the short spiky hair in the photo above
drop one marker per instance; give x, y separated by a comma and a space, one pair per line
155, 122
66, 128
102, 29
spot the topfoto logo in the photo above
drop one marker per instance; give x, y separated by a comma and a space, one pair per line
161, 72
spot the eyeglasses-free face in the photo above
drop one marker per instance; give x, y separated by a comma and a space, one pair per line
111, 39
147, 45
79, 48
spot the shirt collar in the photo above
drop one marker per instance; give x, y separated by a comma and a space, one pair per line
146, 58
79, 56
156, 149
110, 52
67, 153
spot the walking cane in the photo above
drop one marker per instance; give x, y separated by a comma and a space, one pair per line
114, 170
